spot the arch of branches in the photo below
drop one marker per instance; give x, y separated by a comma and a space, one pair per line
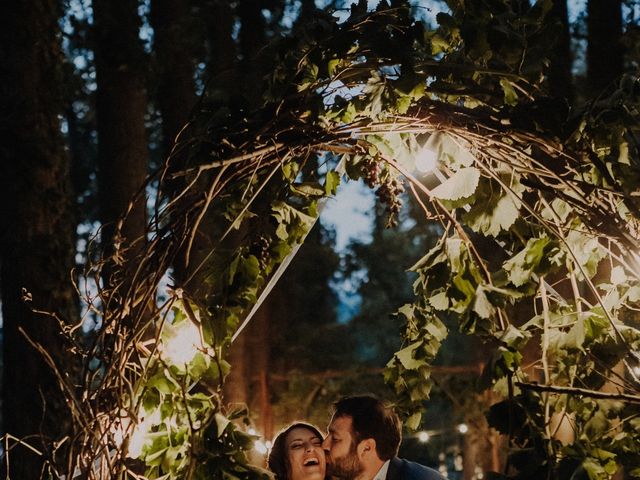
536, 207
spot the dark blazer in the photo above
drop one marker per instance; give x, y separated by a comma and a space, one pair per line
400, 469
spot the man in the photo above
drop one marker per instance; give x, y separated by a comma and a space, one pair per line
363, 440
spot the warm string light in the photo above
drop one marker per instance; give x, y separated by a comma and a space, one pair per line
180, 343
424, 436
263, 447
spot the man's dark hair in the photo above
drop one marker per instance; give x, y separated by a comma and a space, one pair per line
278, 461
372, 419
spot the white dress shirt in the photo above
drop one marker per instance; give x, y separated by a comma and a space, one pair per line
382, 473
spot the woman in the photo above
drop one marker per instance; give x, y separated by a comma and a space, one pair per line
297, 453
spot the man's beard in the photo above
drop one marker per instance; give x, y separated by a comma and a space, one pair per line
346, 467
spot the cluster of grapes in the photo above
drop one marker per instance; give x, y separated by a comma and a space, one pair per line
371, 172
260, 249
389, 194
389, 188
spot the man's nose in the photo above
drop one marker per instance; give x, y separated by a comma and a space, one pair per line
326, 443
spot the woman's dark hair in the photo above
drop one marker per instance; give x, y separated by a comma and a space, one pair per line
371, 418
278, 457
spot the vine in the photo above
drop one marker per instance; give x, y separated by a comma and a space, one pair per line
533, 209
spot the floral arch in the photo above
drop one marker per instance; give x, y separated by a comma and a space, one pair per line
555, 195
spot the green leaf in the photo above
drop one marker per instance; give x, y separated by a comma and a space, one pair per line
482, 306
331, 182
586, 250
291, 222
617, 275
439, 301
461, 184
510, 95
332, 65
436, 329
494, 210
413, 422
199, 365
161, 383
405, 356
308, 189
521, 266
222, 423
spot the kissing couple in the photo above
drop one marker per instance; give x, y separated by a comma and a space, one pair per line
361, 444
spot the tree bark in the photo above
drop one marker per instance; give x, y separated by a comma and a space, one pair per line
120, 112
560, 78
222, 48
239, 381
605, 55
36, 227
174, 59
175, 94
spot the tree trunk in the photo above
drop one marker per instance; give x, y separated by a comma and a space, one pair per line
605, 53
560, 78
175, 56
36, 227
239, 381
120, 112
175, 93
222, 48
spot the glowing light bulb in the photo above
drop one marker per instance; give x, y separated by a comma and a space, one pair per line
463, 428
182, 343
426, 160
252, 431
423, 437
268, 444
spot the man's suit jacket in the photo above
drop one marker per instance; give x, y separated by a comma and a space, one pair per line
400, 469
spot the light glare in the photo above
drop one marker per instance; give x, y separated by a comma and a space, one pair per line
423, 437
426, 160
260, 447
462, 428
181, 347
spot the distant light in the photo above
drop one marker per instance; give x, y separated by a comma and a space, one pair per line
423, 437
462, 428
252, 431
268, 444
426, 160
260, 447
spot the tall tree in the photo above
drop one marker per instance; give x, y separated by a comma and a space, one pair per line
121, 106
560, 78
605, 54
175, 58
251, 348
36, 228
175, 90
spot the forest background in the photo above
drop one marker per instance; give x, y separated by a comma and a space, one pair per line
93, 95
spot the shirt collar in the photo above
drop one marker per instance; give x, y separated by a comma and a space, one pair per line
382, 473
